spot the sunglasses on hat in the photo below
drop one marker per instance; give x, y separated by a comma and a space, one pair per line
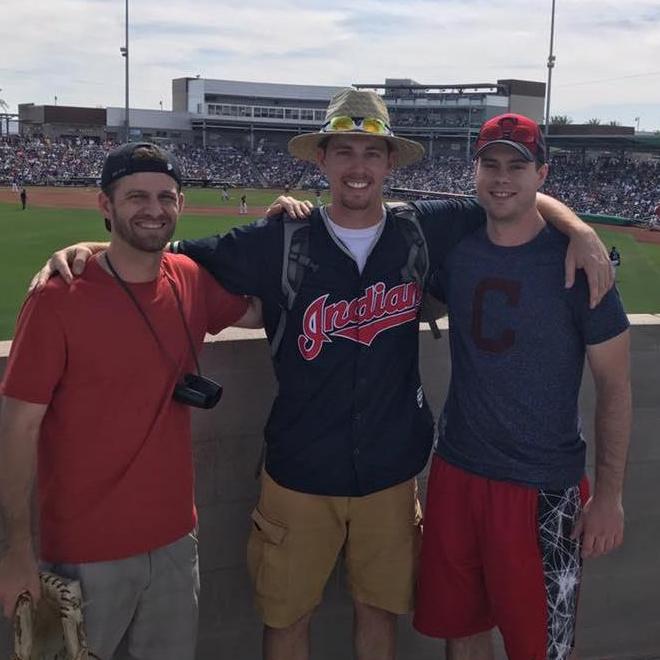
371, 125
518, 131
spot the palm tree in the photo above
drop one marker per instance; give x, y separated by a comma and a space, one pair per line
614, 122
594, 122
561, 120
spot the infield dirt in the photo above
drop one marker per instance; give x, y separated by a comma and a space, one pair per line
85, 198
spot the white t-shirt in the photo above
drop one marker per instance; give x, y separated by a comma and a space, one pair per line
359, 242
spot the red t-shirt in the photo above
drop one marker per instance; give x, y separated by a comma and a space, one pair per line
115, 469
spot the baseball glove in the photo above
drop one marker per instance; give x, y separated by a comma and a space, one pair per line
53, 630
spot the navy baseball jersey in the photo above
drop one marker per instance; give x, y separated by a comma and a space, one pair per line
350, 417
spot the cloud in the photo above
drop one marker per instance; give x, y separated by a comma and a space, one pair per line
71, 47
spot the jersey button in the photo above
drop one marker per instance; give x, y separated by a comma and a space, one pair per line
356, 451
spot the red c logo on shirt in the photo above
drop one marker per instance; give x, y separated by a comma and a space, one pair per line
511, 289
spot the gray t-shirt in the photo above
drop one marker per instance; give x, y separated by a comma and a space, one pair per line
518, 341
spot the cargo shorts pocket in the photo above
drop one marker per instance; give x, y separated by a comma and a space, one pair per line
267, 558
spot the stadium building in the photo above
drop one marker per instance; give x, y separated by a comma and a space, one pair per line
260, 115
256, 117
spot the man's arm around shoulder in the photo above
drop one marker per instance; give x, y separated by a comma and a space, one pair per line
69, 262
20, 423
237, 259
585, 249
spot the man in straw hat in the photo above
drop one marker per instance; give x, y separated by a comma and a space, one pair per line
350, 427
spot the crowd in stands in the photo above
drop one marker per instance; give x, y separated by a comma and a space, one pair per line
440, 173
278, 169
226, 164
606, 185
407, 117
43, 162
602, 185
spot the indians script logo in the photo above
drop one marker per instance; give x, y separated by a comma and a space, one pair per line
361, 319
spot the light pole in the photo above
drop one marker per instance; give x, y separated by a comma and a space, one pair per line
3, 107
469, 132
124, 52
551, 64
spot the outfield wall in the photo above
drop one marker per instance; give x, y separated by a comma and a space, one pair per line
615, 220
620, 602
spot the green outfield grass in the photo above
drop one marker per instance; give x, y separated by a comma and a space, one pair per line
639, 274
31, 236
257, 199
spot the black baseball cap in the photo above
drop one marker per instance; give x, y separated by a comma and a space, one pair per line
123, 161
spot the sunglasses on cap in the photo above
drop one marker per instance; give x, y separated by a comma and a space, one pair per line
371, 125
509, 128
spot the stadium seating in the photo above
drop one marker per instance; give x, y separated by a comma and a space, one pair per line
602, 185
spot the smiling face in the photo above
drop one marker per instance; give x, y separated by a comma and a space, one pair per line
143, 209
507, 183
355, 167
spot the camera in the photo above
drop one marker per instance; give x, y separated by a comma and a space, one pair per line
197, 391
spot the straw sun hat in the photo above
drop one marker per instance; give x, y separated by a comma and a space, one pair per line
354, 112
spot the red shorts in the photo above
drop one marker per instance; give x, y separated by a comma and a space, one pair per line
500, 554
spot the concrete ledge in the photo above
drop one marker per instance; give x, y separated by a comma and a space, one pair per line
620, 600
244, 334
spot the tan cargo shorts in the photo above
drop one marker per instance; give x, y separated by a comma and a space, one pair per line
296, 539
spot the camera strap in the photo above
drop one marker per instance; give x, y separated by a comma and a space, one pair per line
143, 314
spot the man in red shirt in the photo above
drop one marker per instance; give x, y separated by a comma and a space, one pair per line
93, 396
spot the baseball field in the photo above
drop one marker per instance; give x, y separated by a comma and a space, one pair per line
56, 217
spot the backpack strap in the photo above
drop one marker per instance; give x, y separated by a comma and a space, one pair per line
295, 260
416, 268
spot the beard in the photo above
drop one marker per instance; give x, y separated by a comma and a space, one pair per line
146, 240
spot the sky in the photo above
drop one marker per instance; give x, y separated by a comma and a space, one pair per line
607, 51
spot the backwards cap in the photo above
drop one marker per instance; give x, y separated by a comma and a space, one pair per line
124, 160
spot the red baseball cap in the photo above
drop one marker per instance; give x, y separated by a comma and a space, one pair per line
517, 131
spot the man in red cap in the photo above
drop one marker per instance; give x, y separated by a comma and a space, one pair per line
508, 517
